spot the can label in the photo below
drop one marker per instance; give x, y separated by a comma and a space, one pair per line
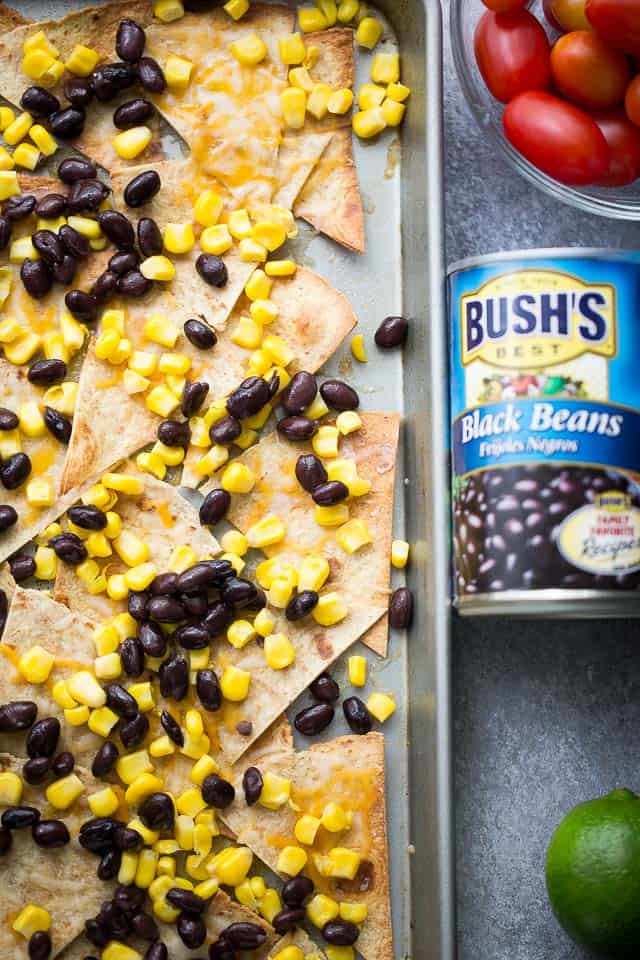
545, 400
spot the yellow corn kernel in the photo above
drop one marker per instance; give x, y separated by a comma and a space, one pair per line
258, 887
145, 872
172, 456
289, 953
161, 747
385, 68
347, 10
278, 651
31, 420
264, 622
353, 535
36, 664
62, 793
159, 329
181, 559
30, 920
334, 516
239, 225
19, 251
82, 61
292, 49
149, 837
270, 235
18, 129
22, 350
102, 721
10, 443
190, 802
399, 554
178, 237
104, 802
266, 532
306, 829
62, 696
46, 564
113, 320
231, 865
334, 818
9, 187
142, 787
159, 888
54, 348
106, 344
381, 706
131, 143
360, 354
293, 102
250, 49
53, 75
27, 156
348, 422
301, 78
357, 671
6, 160
161, 401
259, 363
264, 312
330, 10
247, 333
86, 226
313, 573
235, 683
370, 95
207, 208
195, 726
133, 765
275, 792
234, 542
158, 268
369, 123
392, 112
143, 695
238, 478
166, 867
134, 383
330, 609
77, 716
280, 268
340, 101
325, 442
215, 458
11, 787
279, 351
125, 625
131, 549
244, 895
128, 867
240, 633
339, 953
205, 766
85, 689
270, 904
251, 251
153, 464
175, 364
177, 72
354, 912
139, 577
143, 363
202, 840
106, 639
291, 861
206, 888
280, 592
398, 92
168, 10
216, 239
258, 286
108, 667
369, 32
236, 8
62, 398
318, 100
311, 19
7, 116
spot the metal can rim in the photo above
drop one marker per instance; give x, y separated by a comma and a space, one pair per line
568, 253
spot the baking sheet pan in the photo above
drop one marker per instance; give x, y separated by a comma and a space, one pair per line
403, 272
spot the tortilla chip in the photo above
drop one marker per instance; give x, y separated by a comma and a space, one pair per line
36, 619
330, 199
350, 771
335, 67
362, 578
297, 158
164, 520
63, 880
10, 19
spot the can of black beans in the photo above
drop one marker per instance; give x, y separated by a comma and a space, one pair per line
545, 421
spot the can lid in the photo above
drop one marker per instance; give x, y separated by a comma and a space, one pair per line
567, 253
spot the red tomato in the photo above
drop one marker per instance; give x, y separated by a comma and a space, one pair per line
587, 71
504, 6
557, 137
624, 142
617, 22
632, 101
566, 15
512, 52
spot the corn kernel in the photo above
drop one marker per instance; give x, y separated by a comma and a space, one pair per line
152, 463
370, 95
145, 872
270, 235
36, 664
139, 577
216, 239
392, 112
291, 861
161, 401
354, 912
172, 456
311, 19
158, 329
301, 78
158, 268
250, 49
330, 10
339, 953
342, 863
369, 32
166, 867
63, 399
148, 836
280, 268
347, 10
128, 866
258, 286
190, 802
11, 787
27, 156
7, 116
9, 187
240, 633
142, 787
334, 818
207, 888
40, 493
231, 865
131, 143
30, 920
53, 75
134, 383
102, 721
234, 542
264, 622
340, 101
143, 695
293, 102
179, 237
289, 953
182, 557
270, 905
62, 793
236, 8
18, 129
398, 92
6, 160
399, 554
215, 458
162, 747
334, 516
238, 478
330, 609
318, 100
177, 72
278, 651
385, 68
104, 802
239, 225
82, 61
235, 683
266, 532
357, 671
108, 667
31, 420
133, 765
276, 791
306, 829
202, 769
381, 706
251, 251
292, 49
353, 535
247, 333
168, 10
61, 695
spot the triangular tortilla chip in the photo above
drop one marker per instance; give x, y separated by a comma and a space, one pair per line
62, 880
350, 771
297, 158
35, 619
363, 578
335, 67
164, 520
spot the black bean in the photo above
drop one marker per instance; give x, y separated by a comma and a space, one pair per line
133, 113
5, 840
157, 951
48, 245
174, 433
65, 272
313, 720
165, 609
324, 688
297, 429
200, 334
82, 305
130, 40
218, 617
114, 920
156, 811
150, 75
392, 332
39, 102
39, 945
300, 393
57, 424
174, 678
252, 784
195, 604
44, 373
97, 834
142, 188
218, 792
117, 228
36, 278
8, 419
339, 395
152, 639
357, 715
104, 286
76, 244
212, 269
19, 207
149, 237
88, 517
137, 604
108, 79
287, 920
171, 728
15, 470
239, 592
193, 396
17, 818
192, 636
244, 935
78, 91
4, 609
62, 765
105, 759
134, 284
340, 933
17, 715
301, 605
51, 206
5, 232
43, 737
69, 123
121, 701
208, 689
144, 926
191, 930
133, 732
225, 430
164, 585
36, 771
128, 898
401, 608
329, 493
199, 575
221, 950
249, 398
124, 261
126, 838
77, 168
296, 890
109, 865
310, 471
214, 507
50, 834
185, 900
86, 196
22, 567
96, 933
69, 548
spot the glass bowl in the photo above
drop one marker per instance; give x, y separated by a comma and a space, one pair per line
622, 203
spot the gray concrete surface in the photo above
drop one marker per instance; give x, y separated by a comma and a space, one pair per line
546, 714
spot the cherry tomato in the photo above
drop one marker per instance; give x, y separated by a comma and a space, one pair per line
557, 137
566, 15
512, 52
617, 22
632, 101
587, 71
624, 143
504, 6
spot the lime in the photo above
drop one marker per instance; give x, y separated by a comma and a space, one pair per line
593, 874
